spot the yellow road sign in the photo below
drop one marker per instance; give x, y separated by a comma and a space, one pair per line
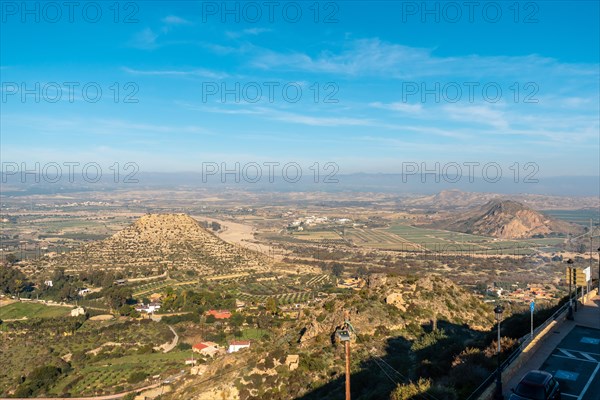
578, 276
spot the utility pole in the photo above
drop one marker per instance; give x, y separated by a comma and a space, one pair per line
344, 336
347, 370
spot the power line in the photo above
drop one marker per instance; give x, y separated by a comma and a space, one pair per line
424, 395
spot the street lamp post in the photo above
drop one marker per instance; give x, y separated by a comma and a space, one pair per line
498, 396
570, 273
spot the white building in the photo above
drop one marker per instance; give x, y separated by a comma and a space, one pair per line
237, 345
148, 309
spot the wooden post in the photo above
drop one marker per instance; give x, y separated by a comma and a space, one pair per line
346, 316
348, 370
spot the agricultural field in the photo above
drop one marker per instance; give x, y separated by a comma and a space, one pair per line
381, 239
287, 290
99, 376
251, 288
37, 233
282, 298
581, 217
416, 239
317, 235
146, 289
103, 354
28, 310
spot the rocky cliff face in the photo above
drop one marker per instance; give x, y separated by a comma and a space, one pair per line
507, 219
418, 300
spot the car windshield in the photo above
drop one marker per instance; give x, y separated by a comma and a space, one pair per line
529, 391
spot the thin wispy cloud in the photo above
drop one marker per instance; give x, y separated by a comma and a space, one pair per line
247, 32
399, 106
175, 20
197, 72
145, 39
172, 51
374, 57
481, 115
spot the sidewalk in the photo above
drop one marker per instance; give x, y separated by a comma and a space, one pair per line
589, 316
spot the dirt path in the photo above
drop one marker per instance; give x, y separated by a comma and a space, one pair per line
149, 278
221, 277
242, 235
167, 347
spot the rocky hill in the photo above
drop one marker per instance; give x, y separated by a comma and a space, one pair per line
163, 240
506, 219
417, 324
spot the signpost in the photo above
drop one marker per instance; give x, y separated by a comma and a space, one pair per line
579, 277
532, 308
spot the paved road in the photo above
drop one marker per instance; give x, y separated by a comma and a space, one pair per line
575, 363
572, 354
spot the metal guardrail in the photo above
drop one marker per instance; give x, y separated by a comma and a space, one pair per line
523, 342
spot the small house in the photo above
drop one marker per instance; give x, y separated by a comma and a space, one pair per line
206, 348
237, 345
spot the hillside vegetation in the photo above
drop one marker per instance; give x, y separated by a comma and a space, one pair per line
409, 328
162, 240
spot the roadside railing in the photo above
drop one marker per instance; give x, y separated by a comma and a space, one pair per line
523, 343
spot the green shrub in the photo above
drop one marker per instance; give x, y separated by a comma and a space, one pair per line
136, 377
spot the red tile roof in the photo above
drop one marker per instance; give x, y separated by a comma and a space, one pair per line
199, 346
220, 314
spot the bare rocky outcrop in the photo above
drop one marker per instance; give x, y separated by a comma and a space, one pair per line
376, 280
506, 219
397, 300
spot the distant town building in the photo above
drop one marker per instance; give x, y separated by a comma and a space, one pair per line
148, 309
48, 283
83, 292
76, 312
237, 345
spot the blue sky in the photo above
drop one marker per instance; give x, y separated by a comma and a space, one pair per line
362, 68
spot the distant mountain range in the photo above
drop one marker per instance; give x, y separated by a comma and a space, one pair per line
14, 185
456, 200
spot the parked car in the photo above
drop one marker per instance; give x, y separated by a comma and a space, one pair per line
537, 385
